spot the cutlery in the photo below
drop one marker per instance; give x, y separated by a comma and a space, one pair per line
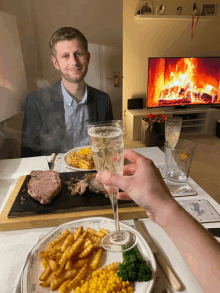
160, 259
51, 160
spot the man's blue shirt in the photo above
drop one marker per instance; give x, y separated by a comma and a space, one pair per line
76, 118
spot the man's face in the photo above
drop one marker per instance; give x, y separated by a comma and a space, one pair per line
72, 60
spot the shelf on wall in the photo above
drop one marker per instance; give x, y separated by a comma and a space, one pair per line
189, 120
170, 17
192, 125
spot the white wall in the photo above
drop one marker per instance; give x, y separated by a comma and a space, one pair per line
160, 38
13, 83
99, 20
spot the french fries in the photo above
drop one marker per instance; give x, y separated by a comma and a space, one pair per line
86, 251
82, 159
55, 283
69, 265
81, 262
69, 259
94, 264
53, 265
59, 239
64, 287
80, 276
67, 242
45, 273
77, 232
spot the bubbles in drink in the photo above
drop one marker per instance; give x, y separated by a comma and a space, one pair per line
107, 148
172, 138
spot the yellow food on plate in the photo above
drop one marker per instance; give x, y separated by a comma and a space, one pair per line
69, 258
104, 282
82, 159
96, 259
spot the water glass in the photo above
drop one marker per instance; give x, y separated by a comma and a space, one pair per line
178, 164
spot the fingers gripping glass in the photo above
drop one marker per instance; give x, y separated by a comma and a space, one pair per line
106, 141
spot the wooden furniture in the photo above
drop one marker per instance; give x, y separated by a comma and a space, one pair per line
55, 219
195, 120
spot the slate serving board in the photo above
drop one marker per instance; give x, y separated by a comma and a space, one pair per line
64, 202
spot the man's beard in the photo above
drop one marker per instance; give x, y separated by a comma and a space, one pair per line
75, 79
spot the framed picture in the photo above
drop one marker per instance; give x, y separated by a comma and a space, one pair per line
146, 7
208, 9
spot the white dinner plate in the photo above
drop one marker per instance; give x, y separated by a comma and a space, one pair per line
76, 150
32, 269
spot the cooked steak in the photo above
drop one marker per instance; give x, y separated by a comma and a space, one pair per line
44, 185
92, 183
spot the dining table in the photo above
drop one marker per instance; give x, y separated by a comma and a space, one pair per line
16, 243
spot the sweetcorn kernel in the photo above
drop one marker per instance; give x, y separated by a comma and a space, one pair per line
105, 282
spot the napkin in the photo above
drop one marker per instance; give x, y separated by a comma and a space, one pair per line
13, 254
14, 168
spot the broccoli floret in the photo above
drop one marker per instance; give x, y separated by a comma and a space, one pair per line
123, 273
130, 255
144, 272
128, 271
134, 268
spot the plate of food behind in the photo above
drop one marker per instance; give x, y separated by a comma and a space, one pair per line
33, 266
79, 159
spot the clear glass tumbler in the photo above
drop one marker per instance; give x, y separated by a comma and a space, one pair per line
178, 164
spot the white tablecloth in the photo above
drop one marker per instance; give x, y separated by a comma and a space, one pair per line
16, 167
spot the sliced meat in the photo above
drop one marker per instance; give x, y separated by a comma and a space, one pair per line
92, 183
44, 185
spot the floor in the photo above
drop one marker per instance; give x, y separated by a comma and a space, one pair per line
205, 169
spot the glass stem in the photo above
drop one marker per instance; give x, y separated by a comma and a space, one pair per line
114, 202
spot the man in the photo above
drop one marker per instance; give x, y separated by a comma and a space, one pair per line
55, 117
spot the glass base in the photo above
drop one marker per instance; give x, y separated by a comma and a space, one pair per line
177, 187
163, 171
116, 241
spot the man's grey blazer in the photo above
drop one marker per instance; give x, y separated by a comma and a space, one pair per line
43, 128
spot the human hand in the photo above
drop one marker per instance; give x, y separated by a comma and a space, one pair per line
145, 186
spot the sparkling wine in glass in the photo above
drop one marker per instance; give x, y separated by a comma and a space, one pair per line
172, 133
172, 130
107, 145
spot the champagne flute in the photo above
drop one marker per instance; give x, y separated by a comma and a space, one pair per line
172, 133
172, 130
106, 141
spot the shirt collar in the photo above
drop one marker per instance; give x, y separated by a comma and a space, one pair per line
69, 100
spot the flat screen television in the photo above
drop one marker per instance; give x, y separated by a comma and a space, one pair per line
181, 82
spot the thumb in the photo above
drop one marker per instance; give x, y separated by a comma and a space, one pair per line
113, 179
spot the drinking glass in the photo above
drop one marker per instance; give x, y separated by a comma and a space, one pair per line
107, 145
178, 164
172, 130
172, 133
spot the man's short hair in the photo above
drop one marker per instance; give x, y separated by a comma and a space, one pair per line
67, 33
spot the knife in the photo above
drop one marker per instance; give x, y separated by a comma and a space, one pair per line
160, 259
51, 160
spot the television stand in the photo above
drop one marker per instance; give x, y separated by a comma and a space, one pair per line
195, 121
216, 106
182, 109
